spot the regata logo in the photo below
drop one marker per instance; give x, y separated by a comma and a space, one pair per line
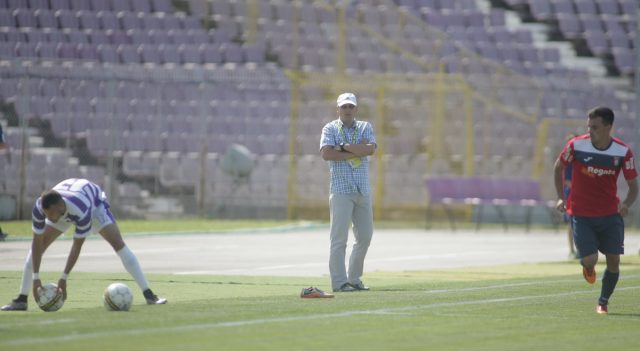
600, 171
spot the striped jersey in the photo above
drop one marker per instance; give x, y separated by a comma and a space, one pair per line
594, 189
80, 197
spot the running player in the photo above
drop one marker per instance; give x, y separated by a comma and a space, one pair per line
597, 159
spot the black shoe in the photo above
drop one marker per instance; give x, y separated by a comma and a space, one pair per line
153, 299
360, 286
346, 287
15, 305
3, 236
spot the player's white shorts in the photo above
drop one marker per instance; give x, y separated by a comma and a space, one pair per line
100, 218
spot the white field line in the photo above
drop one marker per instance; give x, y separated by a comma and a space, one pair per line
241, 323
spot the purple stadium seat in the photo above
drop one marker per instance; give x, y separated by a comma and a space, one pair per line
121, 5
563, 6
210, 54
608, 7
89, 52
551, 54
586, 7
97, 37
75, 36
308, 14
591, 23
221, 8
162, 6
38, 4
14, 4
33, 35
151, 21
107, 53
7, 19
67, 19
597, 43
197, 36
45, 18
171, 21
25, 18
570, 25
66, 51
169, 53
612, 25
88, 20
53, 35
619, 40
117, 37
129, 20
99, 5
254, 52
628, 6
140, 6
128, 54
624, 60
139, 36
160, 37
25, 50
190, 22
149, 54
59, 4
12, 35
108, 20
190, 54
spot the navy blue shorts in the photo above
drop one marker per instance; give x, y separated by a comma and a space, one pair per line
593, 234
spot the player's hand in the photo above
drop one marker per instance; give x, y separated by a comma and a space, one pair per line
623, 209
561, 206
37, 285
62, 288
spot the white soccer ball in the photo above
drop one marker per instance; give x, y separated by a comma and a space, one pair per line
49, 299
118, 297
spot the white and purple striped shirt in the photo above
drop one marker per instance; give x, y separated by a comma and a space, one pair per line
81, 197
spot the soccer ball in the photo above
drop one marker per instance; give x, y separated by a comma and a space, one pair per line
118, 297
49, 299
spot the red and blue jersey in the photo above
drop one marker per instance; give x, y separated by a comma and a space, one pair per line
594, 189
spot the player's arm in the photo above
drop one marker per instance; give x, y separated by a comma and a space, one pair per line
334, 153
365, 148
37, 248
558, 181
632, 195
74, 253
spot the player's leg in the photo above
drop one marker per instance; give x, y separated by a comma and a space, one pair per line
341, 209
362, 231
109, 230
20, 303
572, 246
586, 242
612, 244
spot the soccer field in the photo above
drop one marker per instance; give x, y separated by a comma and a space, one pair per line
508, 307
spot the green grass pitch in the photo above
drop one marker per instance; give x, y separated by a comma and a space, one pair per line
516, 307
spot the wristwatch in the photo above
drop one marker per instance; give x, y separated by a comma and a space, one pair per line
341, 146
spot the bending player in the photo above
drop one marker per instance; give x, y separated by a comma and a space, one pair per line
84, 204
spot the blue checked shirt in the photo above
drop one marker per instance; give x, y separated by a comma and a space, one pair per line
344, 178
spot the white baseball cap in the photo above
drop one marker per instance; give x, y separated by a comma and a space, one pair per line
347, 98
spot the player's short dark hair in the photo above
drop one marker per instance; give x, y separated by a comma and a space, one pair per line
603, 112
50, 198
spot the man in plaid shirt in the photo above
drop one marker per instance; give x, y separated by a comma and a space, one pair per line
346, 143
